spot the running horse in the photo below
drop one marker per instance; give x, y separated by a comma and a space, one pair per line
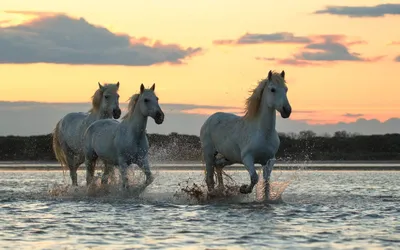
123, 143
250, 139
69, 131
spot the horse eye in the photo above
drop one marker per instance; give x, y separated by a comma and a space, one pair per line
146, 100
273, 90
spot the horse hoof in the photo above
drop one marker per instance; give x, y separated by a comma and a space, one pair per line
244, 189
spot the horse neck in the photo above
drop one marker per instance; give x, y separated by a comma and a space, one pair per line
267, 118
137, 122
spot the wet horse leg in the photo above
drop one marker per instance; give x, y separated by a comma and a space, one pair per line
106, 174
209, 159
90, 167
123, 169
267, 169
220, 163
248, 162
73, 166
144, 165
220, 180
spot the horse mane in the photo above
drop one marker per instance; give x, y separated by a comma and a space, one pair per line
97, 97
253, 102
131, 106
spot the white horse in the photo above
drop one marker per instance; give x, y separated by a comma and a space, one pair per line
69, 131
123, 143
250, 139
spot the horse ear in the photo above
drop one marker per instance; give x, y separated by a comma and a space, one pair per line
283, 74
141, 88
100, 86
153, 87
118, 84
270, 75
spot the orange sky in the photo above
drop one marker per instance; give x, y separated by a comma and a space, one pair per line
223, 74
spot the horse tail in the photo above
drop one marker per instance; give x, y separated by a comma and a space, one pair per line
58, 151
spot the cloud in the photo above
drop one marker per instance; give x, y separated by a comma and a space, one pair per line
296, 62
60, 39
353, 115
33, 118
4, 22
362, 11
326, 48
265, 58
249, 38
395, 43
397, 59
316, 49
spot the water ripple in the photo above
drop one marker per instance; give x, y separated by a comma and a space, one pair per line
321, 210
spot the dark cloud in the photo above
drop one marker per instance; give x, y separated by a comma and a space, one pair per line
397, 59
327, 51
60, 39
362, 11
249, 38
353, 115
326, 48
43, 117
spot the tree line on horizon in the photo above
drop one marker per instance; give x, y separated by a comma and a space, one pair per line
303, 146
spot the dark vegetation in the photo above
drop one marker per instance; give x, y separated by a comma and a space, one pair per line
176, 147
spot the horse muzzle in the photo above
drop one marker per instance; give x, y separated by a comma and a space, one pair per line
286, 111
116, 113
159, 118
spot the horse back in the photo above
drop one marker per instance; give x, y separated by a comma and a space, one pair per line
222, 131
219, 122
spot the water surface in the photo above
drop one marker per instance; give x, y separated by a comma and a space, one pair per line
321, 210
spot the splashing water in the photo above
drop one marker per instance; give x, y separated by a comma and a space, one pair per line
199, 192
136, 180
277, 186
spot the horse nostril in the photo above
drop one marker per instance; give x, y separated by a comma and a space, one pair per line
159, 116
286, 110
117, 113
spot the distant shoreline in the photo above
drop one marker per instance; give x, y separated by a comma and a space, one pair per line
198, 166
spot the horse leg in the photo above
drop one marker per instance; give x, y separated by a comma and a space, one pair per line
106, 174
248, 162
267, 169
144, 165
220, 180
90, 167
123, 169
220, 163
209, 158
70, 157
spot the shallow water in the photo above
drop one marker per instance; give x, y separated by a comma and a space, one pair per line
320, 210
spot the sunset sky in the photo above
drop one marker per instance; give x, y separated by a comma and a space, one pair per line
341, 58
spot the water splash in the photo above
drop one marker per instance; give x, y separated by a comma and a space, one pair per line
278, 184
113, 188
199, 192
